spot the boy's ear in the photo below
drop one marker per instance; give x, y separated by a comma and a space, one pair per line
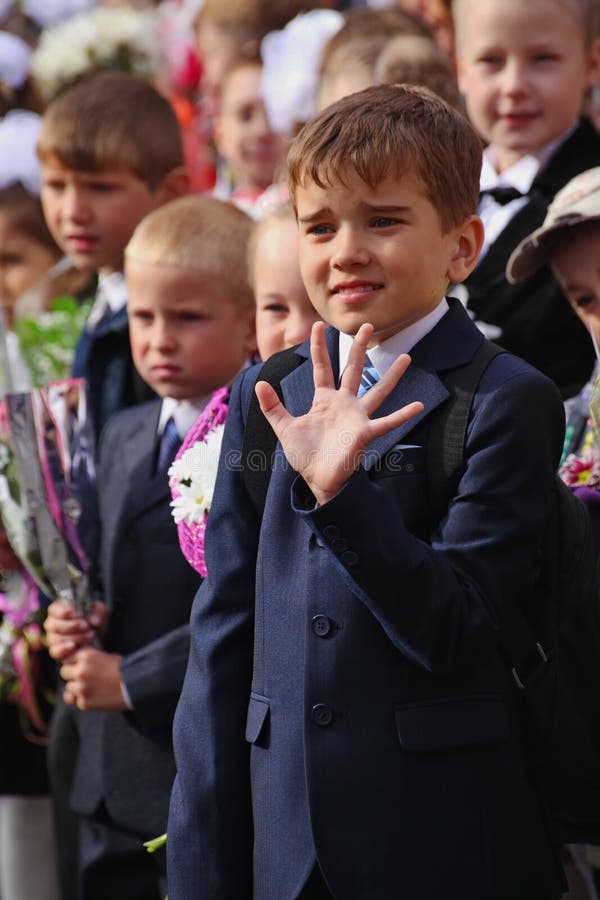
594, 64
175, 184
469, 240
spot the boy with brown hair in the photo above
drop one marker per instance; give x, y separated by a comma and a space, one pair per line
110, 151
346, 715
191, 314
524, 70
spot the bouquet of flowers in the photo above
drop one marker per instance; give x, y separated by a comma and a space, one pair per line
113, 38
46, 471
21, 640
192, 478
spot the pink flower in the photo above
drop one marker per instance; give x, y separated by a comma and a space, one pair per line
581, 471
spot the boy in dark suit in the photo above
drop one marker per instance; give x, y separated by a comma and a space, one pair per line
524, 70
346, 726
191, 324
110, 151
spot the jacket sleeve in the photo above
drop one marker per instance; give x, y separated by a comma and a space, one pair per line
441, 602
210, 823
153, 677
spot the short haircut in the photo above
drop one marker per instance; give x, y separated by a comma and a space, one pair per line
279, 212
248, 21
113, 120
393, 129
589, 10
370, 23
410, 59
202, 233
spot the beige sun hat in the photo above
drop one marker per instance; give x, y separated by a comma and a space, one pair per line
577, 202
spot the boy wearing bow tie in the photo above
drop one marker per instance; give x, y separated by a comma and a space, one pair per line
524, 70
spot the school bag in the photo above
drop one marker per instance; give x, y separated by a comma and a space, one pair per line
552, 647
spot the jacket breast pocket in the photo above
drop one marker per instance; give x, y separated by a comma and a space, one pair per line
257, 721
451, 722
402, 460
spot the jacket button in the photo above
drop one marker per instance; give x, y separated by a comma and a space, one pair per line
330, 532
321, 715
349, 558
338, 545
321, 626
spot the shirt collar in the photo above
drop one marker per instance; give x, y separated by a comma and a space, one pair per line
183, 412
522, 173
114, 290
383, 355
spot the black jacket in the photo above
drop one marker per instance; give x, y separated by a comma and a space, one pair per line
536, 321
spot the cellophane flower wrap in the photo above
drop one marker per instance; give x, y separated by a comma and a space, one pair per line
192, 478
52, 443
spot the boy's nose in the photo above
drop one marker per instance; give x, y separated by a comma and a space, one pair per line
514, 77
348, 250
74, 206
162, 336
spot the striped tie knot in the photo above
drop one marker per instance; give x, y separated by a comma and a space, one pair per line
369, 377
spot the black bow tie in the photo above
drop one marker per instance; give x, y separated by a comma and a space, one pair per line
503, 195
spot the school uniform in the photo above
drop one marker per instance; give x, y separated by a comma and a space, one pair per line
346, 724
532, 319
103, 354
125, 767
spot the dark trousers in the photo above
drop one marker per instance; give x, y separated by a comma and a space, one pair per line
315, 888
62, 755
114, 865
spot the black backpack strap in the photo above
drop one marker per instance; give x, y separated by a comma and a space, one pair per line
448, 430
259, 438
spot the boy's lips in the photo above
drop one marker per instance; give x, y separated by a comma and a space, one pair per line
81, 242
355, 291
165, 371
518, 119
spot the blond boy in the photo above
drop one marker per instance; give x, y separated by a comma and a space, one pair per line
191, 315
524, 70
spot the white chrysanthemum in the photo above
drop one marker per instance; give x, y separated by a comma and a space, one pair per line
121, 37
193, 476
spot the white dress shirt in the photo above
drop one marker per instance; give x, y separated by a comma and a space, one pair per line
384, 354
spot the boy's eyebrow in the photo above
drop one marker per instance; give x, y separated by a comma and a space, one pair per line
317, 214
371, 207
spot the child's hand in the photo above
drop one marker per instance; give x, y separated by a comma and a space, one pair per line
326, 445
67, 632
93, 680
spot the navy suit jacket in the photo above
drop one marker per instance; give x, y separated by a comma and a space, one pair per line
126, 759
345, 700
103, 357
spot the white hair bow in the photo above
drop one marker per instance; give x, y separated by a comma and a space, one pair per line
291, 59
19, 131
14, 60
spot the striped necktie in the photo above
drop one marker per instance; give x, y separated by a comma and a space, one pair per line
369, 377
169, 445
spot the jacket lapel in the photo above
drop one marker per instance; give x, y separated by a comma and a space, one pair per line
146, 487
450, 344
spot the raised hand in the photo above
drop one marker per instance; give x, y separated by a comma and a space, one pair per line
326, 445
